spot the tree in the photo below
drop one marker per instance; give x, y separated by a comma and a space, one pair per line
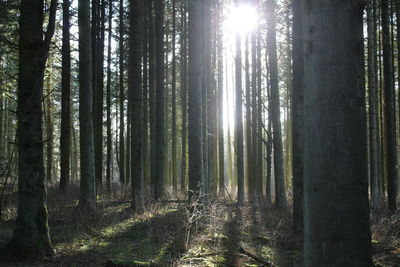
239, 118
390, 110
174, 126
280, 188
65, 138
121, 96
297, 117
136, 103
336, 211
160, 101
108, 101
195, 98
87, 198
184, 91
373, 108
31, 233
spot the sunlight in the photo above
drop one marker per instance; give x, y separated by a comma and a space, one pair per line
241, 19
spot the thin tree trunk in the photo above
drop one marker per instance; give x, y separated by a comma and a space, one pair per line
390, 109
160, 101
121, 96
65, 135
108, 105
280, 187
372, 108
49, 127
184, 95
239, 119
174, 126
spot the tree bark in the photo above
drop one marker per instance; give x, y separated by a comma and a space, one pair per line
65, 135
136, 103
280, 187
195, 98
160, 101
390, 109
87, 199
121, 96
336, 210
108, 103
31, 233
239, 118
297, 117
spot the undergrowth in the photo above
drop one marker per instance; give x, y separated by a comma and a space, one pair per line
175, 233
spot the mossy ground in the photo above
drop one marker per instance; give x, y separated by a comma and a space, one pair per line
166, 235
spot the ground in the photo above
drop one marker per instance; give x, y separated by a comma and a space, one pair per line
175, 234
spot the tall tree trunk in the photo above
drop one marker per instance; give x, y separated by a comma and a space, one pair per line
87, 199
173, 126
254, 123
152, 94
195, 98
108, 104
280, 188
373, 108
136, 104
336, 211
98, 21
121, 96
297, 117
390, 109
220, 97
239, 118
145, 86
65, 135
184, 94
249, 154
31, 233
160, 101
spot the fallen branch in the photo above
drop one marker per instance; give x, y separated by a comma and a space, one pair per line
254, 257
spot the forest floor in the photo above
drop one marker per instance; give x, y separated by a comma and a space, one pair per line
174, 234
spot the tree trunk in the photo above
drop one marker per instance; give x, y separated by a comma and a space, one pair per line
220, 95
336, 211
239, 118
280, 187
31, 233
184, 94
49, 127
297, 117
108, 104
87, 199
121, 96
65, 135
195, 98
136, 104
160, 101
373, 108
173, 126
390, 109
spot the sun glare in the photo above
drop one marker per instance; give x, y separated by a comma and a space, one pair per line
241, 19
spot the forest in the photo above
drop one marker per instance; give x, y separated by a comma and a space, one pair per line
200, 133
